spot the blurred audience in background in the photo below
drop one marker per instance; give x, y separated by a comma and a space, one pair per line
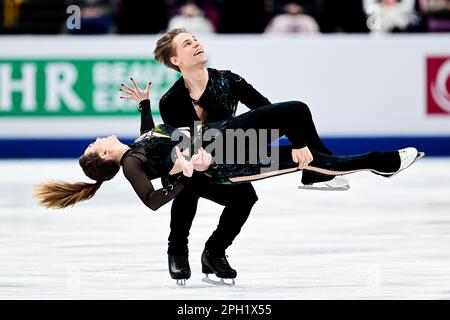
389, 15
32, 16
341, 16
246, 16
436, 15
226, 16
142, 17
192, 18
97, 16
211, 9
294, 19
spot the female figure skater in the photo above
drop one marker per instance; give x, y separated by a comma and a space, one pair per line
150, 157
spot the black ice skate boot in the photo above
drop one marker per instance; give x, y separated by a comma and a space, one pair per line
217, 263
179, 268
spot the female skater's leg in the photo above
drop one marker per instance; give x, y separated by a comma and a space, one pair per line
378, 162
292, 118
383, 163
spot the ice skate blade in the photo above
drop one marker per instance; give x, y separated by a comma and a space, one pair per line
324, 188
220, 282
181, 282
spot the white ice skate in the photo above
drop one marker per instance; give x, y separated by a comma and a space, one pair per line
407, 157
338, 183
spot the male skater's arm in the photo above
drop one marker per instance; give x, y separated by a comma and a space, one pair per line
170, 114
246, 93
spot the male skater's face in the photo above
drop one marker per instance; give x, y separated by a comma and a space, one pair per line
188, 51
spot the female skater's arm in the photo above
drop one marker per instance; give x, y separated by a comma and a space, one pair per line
154, 199
147, 122
141, 97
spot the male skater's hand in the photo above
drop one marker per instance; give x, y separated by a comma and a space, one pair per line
186, 166
302, 156
136, 94
202, 160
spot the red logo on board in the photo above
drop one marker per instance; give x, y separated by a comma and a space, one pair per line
438, 85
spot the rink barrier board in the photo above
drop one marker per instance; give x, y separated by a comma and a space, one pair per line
355, 85
433, 146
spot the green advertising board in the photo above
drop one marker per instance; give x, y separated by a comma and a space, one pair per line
77, 87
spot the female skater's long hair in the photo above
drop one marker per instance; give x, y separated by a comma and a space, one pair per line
59, 194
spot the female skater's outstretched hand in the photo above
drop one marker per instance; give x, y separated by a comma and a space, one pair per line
186, 166
302, 156
202, 160
136, 94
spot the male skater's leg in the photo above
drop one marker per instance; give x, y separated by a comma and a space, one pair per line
183, 211
238, 201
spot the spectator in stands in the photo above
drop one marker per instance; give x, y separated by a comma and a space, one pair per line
436, 14
389, 15
192, 18
211, 9
293, 20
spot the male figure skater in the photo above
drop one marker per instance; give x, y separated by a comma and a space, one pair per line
206, 94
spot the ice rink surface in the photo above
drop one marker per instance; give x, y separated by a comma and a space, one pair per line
382, 239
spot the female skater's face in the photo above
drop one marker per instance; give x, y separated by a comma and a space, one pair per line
102, 146
188, 51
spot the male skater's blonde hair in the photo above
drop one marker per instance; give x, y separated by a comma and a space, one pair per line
164, 49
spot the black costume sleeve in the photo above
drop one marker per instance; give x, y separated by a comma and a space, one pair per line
168, 116
147, 122
246, 93
154, 199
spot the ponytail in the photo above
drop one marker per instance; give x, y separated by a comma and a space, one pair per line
59, 194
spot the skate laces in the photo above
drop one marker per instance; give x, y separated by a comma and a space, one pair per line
222, 259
